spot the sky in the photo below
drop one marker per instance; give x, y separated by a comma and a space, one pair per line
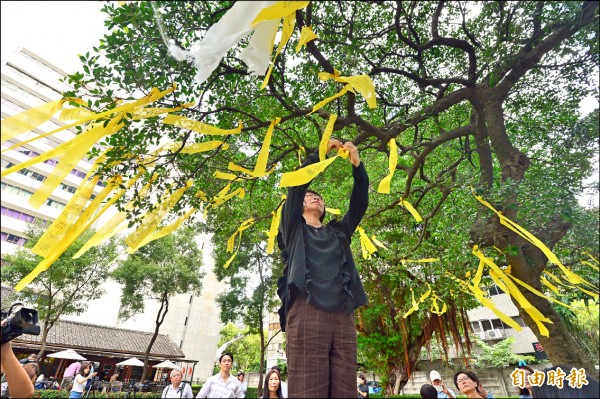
56, 30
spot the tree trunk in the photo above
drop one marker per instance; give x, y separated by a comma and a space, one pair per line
263, 348
160, 317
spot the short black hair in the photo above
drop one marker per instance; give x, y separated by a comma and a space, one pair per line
469, 374
241, 373
428, 391
276, 368
226, 354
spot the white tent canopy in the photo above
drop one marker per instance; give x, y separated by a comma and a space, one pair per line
134, 361
167, 364
67, 354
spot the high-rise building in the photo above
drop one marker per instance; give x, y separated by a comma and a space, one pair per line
29, 81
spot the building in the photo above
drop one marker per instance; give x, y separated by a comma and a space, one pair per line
487, 326
28, 81
276, 339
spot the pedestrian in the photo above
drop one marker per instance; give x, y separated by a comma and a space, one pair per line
442, 390
284, 387
243, 384
80, 380
321, 287
272, 385
363, 389
222, 384
468, 384
428, 391
32, 358
525, 392
177, 388
69, 374
113, 382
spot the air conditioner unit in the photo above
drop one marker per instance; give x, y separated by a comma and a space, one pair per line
481, 334
492, 334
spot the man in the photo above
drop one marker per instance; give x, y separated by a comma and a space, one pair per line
428, 391
177, 389
284, 387
32, 358
243, 384
442, 391
222, 384
69, 374
321, 288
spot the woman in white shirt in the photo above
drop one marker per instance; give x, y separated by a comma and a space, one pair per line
177, 389
80, 380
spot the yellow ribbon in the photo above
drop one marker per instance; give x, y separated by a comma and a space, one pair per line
320, 104
195, 148
165, 231
384, 185
238, 233
360, 83
278, 10
272, 234
572, 277
366, 244
306, 174
288, 28
151, 220
260, 169
306, 35
326, 136
412, 210
415, 304
333, 211
29, 119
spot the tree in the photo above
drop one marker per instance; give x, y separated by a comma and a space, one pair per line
499, 355
66, 287
480, 95
245, 350
163, 268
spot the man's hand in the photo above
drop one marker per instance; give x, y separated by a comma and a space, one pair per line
333, 145
353, 151
482, 392
445, 390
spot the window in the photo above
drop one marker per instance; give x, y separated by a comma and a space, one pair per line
493, 290
13, 239
55, 204
499, 324
78, 173
16, 190
185, 322
16, 215
191, 297
67, 188
519, 321
476, 326
486, 324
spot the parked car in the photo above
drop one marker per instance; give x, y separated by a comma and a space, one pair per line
373, 387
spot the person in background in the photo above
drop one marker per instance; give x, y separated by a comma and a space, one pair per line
363, 389
525, 393
468, 383
80, 380
177, 389
32, 370
222, 385
70, 373
590, 390
32, 358
113, 379
320, 286
428, 391
436, 381
18, 384
284, 387
244, 384
272, 385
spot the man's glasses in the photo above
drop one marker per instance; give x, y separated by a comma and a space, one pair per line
312, 196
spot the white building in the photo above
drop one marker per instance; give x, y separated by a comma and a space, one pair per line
29, 81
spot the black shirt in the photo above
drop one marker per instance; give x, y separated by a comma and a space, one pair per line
326, 280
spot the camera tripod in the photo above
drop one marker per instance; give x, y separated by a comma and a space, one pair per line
91, 389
